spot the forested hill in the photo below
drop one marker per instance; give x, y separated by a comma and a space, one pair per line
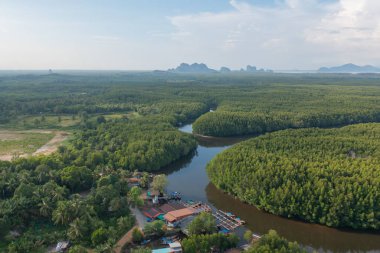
326, 176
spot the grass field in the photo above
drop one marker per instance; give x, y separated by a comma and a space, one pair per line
22, 143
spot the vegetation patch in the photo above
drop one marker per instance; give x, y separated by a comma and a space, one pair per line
272, 242
327, 176
145, 144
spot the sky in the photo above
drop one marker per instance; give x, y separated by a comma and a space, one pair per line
160, 34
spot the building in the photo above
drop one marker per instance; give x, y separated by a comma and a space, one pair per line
184, 223
173, 217
174, 247
134, 181
172, 206
152, 213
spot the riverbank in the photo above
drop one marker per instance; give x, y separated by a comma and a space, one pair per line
191, 180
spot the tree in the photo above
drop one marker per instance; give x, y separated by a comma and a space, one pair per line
76, 230
63, 213
248, 236
101, 119
76, 178
209, 243
204, 223
99, 236
134, 196
43, 173
68, 210
141, 250
144, 181
36, 122
155, 228
125, 223
77, 249
272, 242
137, 235
46, 208
104, 248
159, 183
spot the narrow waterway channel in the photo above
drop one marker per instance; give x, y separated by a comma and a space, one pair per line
189, 177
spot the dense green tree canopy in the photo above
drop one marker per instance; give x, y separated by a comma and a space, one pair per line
204, 223
144, 144
272, 242
260, 109
209, 243
46, 211
328, 176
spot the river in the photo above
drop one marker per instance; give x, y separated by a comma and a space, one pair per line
189, 177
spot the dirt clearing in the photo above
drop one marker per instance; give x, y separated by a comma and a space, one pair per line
32, 142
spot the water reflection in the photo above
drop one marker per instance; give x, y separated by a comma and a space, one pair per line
189, 177
316, 236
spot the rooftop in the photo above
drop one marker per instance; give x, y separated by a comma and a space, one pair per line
165, 250
179, 214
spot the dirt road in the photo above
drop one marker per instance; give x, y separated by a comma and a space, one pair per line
53, 144
127, 238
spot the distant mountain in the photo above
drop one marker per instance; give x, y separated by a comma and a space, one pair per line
202, 68
253, 69
193, 68
224, 70
350, 68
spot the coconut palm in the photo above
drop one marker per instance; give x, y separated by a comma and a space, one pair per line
75, 230
45, 207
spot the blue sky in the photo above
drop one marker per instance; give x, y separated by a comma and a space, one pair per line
153, 34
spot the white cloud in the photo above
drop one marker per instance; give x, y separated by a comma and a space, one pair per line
290, 34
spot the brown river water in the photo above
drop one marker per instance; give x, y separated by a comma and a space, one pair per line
188, 176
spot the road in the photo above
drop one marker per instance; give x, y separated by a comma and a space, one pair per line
127, 238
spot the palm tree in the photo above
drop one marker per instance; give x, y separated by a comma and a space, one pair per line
62, 215
104, 248
45, 208
75, 229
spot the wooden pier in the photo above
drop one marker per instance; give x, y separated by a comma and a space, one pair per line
199, 207
227, 221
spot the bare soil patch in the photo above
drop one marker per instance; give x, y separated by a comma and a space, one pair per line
30, 142
53, 144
